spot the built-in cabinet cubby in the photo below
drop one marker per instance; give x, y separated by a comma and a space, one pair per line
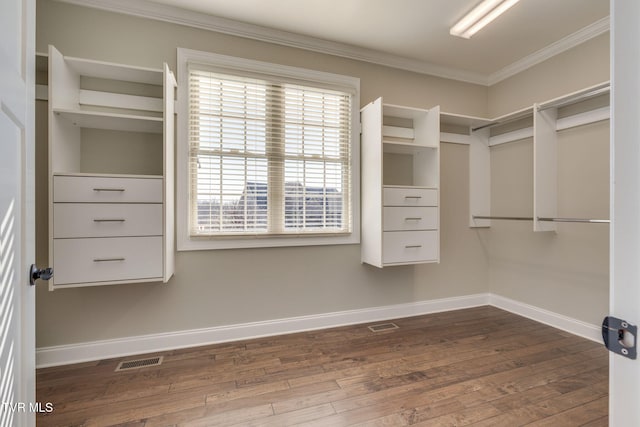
400, 184
539, 123
111, 172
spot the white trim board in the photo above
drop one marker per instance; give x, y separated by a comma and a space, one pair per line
161, 12
559, 321
105, 349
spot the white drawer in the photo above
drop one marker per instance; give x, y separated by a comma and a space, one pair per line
106, 220
93, 189
107, 259
409, 246
398, 218
407, 196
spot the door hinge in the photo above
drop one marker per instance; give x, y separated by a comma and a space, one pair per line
620, 336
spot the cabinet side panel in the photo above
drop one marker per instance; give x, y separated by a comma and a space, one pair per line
169, 174
545, 169
479, 178
371, 192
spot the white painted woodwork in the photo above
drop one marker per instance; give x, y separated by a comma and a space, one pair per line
91, 189
371, 187
624, 293
390, 203
76, 220
107, 260
117, 100
479, 178
110, 121
17, 210
91, 209
544, 137
398, 132
455, 138
507, 137
593, 116
409, 196
404, 247
545, 168
168, 162
398, 218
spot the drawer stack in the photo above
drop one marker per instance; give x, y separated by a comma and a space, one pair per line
107, 229
410, 225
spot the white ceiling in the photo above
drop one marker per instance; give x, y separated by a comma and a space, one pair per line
414, 32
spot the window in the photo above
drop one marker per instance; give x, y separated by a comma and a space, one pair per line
267, 153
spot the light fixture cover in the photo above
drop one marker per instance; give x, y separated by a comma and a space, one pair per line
480, 16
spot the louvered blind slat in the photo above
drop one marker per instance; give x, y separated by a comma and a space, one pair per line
267, 157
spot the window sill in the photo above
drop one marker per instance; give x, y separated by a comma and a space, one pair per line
203, 243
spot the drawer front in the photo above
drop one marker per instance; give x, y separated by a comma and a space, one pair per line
108, 259
409, 246
410, 196
90, 189
72, 220
412, 218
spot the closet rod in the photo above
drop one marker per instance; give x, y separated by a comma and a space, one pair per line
513, 218
525, 218
527, 112
590, 221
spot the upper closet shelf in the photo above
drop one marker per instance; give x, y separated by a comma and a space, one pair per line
111, 121
110, 71
582, 95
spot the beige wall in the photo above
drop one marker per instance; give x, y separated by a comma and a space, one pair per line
583, 66
566, 272
213, 288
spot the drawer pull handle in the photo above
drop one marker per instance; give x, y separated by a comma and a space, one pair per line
107, 259
413, 197
109, 189
109, 220
412, 246
413, 219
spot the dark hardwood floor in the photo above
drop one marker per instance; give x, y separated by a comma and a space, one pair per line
479, 367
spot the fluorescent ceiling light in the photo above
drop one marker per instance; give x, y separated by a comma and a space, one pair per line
480, 16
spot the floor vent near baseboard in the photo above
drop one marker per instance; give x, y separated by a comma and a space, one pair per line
383, 327
139, 363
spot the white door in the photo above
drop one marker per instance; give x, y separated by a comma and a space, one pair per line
17, 320
624, 373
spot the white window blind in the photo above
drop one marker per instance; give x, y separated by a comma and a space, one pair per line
267, 157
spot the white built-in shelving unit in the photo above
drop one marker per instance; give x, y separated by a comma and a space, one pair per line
111, 172
539, 123
400, 185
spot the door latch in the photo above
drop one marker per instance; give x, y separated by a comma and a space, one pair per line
620, 336
36, 273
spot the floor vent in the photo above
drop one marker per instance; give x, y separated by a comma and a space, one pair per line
139, 363
383, 327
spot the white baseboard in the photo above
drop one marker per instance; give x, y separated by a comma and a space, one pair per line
568, 324
105, 349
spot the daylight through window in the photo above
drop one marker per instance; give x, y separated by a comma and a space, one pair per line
267, 157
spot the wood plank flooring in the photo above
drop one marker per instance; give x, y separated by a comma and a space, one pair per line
475, 367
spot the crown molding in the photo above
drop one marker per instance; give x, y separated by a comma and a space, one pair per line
176, 15
572, 40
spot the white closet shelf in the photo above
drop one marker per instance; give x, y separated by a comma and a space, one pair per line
463, 120
107, 175
111, 121
111, 71
421, 187
404, 147
398, 132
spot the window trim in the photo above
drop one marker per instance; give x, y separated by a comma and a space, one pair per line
185, 242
